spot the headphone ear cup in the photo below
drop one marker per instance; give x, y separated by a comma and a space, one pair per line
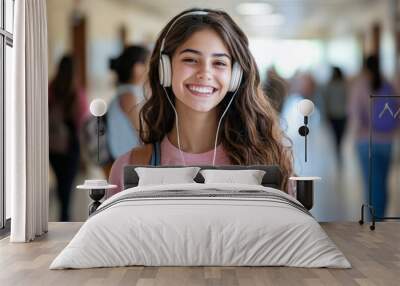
236, 77
164, 71
161, 71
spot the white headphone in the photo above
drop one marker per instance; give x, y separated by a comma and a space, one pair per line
165, 70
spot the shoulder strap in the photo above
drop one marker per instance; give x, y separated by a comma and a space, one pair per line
156, 158
149, 154
141, 155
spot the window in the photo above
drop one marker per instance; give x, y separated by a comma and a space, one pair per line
9, 15
6, 44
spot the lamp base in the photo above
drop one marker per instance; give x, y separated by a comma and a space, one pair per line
305, 193
305, 190
303, 130
96, 195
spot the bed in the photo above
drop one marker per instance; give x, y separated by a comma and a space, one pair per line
201, 224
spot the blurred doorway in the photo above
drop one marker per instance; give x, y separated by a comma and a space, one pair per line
78, 34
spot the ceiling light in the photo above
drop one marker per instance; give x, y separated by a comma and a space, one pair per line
254, 8
269, 20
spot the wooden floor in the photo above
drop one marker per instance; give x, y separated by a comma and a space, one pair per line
374, 255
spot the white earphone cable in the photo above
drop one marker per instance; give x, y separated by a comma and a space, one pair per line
219, 124
177, 127
216, 135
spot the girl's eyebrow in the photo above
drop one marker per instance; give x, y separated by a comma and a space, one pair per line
200, 53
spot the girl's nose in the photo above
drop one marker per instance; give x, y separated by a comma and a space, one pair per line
204, 73
203, 76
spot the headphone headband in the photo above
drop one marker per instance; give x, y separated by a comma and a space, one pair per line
198, 13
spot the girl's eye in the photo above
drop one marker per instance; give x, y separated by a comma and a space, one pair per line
220, 64
189, 60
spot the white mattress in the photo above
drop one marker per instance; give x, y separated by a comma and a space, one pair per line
190, 230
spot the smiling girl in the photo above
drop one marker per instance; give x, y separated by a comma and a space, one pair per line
207, 105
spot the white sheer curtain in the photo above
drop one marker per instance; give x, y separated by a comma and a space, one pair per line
27, 124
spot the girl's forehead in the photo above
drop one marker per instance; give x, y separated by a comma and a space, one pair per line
206, 41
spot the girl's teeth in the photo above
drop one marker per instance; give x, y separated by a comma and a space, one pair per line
201, 89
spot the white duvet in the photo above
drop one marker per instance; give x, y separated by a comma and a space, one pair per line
207, 230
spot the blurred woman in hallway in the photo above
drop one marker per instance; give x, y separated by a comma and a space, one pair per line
335, 103
68, 109
123, 112
384, 128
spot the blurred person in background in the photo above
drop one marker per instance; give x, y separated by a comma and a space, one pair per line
68, 108
304, 85
384, 130
275, 87
335, 105
123, 111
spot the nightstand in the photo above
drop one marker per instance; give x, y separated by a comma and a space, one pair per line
305, 190
97, 190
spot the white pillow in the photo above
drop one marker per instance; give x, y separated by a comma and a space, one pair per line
162, 176
248, 177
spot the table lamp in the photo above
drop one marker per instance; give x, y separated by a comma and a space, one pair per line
306, 108
97, 188
305, 185
98, 107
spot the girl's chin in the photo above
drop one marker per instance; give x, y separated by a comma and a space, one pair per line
199, 107
201, 103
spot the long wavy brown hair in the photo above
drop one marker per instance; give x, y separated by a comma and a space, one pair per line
250, 131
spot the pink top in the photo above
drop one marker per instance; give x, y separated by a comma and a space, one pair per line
116, 173
170, 155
